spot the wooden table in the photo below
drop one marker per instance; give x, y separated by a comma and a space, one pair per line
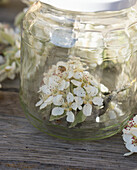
24, 147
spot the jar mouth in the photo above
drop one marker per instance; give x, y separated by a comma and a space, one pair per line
91, 5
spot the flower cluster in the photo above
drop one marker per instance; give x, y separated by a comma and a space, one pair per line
71, 90
130, 136
10, 46
10, 50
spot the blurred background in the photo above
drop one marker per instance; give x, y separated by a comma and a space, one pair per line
9, 9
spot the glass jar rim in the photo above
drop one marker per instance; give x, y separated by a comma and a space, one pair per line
91, 5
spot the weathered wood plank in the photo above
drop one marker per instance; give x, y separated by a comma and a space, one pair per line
20, 141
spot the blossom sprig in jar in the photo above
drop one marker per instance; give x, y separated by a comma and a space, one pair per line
78, 76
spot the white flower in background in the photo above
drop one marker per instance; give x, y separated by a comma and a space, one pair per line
70, 90
10, 58
130, 136
10, 70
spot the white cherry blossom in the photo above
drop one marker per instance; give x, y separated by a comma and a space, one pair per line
92, 91
53, 81
69, 88
79, 91
58, 100
45, 89
130, 136
77, 104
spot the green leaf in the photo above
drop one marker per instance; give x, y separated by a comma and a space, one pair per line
52, 118
19, 18
80, 117
6, 37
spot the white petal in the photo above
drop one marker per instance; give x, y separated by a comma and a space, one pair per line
62, 85
135, 119
127, 138
87, 109
53, 81
79, 91
43, 105
133, 130
80, 107
131, 147
45, 90
79, 100
127, 131
57, 111
78, 75
103, 88
49, 100
128, 154
58, 100
134, 148
98, 101
92, 91
76, 83
70, 97
67, 84
74, 106
70, 117
70, 74
39, 103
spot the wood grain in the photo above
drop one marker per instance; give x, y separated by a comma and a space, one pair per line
23, 146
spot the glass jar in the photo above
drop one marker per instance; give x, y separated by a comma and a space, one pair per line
79, 68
